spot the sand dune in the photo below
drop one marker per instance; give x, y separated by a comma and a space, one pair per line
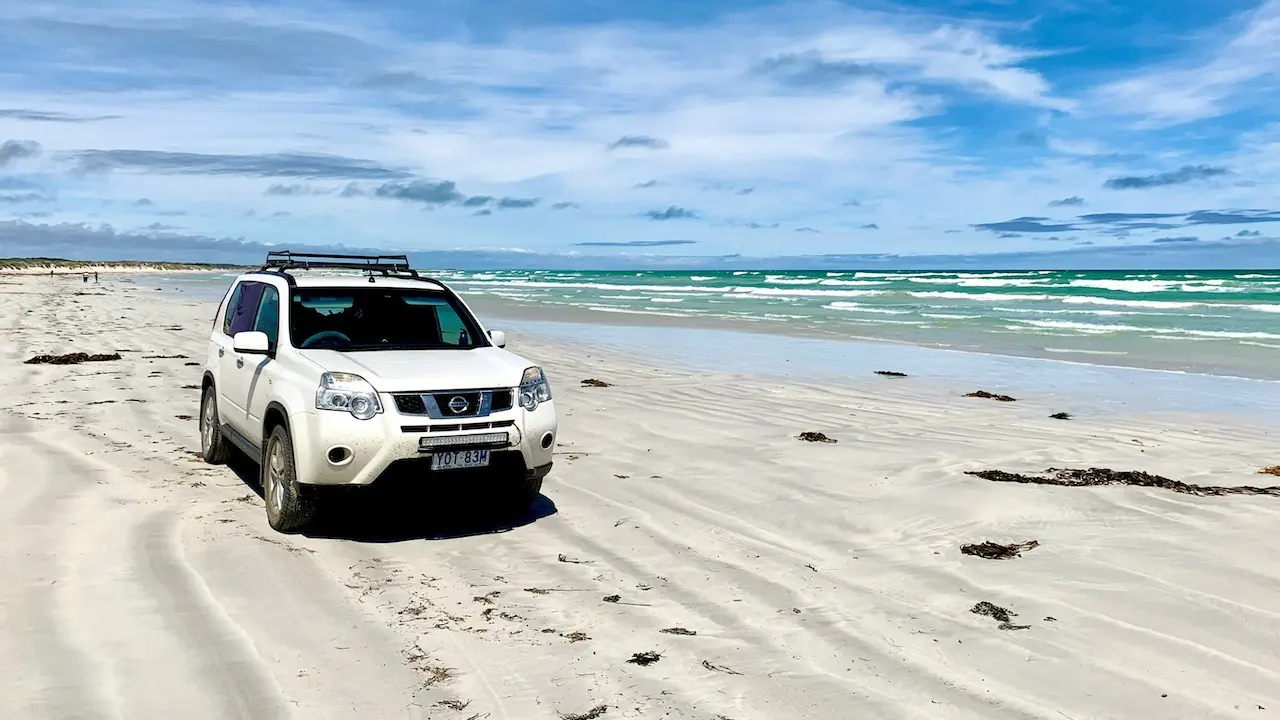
822, 580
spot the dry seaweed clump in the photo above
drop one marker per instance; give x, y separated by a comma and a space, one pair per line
1092, 477
811, 436
891, 373
996, 612
645, 658
71, 359
990, 396
1273, 470
996, 551
592, 382
591, 714
1061, 416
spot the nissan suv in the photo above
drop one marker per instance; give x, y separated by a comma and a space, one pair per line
330, 377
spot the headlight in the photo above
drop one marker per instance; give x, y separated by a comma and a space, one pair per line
348, 393
534, 389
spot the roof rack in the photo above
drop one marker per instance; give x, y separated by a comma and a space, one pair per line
283, 260
280, 262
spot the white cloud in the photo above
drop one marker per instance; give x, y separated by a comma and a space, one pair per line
1227, 79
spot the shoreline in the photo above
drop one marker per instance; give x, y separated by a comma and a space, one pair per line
486, 305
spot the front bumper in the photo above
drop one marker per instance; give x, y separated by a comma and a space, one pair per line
386, 444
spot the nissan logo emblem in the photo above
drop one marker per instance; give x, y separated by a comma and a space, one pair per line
458, 404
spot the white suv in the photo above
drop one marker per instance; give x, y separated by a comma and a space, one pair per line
350, 378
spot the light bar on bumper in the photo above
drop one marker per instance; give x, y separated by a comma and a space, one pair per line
498, 439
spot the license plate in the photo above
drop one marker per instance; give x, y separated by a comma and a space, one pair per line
460, 459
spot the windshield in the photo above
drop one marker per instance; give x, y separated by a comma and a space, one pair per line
374, 318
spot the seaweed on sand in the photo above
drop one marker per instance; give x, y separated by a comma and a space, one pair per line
1092, 477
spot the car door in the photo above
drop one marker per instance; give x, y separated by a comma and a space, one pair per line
235, 370
261, 367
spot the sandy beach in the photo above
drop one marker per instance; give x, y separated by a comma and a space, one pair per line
772, 577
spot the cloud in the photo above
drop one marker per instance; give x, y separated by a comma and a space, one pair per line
479, 201
51, 116
745, 191
14, 150
1024, 225
1073, 201
22, 198
510, 203
1228, 70
636, 243
144, 202
1184, 174
1181, 239
1232, 217
1248, 233
261, 165
13, 183
427, 192
1006, 235
645, 185
565, 205
296, 189
807, 230
160, 227
810, 70
672, 213
1026, 138
639, 141
869, 226
852, 202
482, 213
1125, 217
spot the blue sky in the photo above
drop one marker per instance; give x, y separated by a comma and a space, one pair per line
1053, 132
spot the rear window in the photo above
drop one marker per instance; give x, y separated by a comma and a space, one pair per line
361, 319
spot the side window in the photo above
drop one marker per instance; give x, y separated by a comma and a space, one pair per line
246, 307
268, 319
230, 313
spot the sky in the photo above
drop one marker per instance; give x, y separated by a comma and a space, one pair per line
581, 133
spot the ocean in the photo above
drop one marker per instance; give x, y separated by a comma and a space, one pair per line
1217, 322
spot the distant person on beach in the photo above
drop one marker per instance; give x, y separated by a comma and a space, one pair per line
86, 277
95, 277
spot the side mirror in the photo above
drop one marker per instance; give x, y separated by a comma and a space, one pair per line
251, 343
498, 337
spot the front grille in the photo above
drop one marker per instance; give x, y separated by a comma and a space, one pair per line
457, 427
501, 400
452, 404
411, 405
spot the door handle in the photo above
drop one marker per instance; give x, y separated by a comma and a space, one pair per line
221, 352
239, 362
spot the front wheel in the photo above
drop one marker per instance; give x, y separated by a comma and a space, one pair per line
213, 446
519, 494
289, 507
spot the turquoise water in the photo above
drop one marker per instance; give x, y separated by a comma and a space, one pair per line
1199, 321
1224, 322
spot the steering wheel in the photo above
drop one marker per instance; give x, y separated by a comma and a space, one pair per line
325, 335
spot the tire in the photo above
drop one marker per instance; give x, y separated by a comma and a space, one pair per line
520, 492
290, 508
214, 448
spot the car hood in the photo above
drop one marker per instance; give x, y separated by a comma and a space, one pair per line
421, 370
